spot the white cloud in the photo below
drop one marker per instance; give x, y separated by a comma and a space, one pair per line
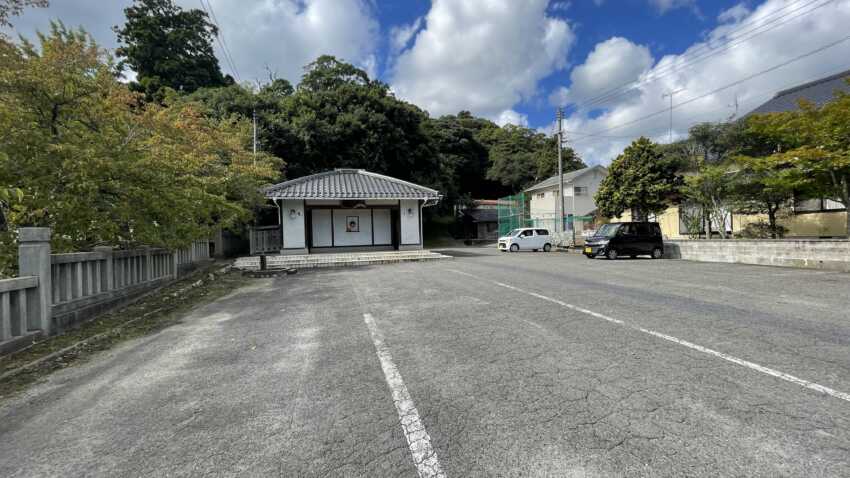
481, 56
283, 34
663, 6
675, 72
612, 63
512, 117
400, 36
734, 14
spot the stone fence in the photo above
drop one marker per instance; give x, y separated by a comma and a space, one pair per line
55, 291
812, 254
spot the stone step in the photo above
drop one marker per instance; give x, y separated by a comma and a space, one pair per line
337, 260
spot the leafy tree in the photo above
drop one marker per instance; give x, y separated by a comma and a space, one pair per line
763, 186
98, 168
12, 8
813, 148
712, 189
640, 180
521, 157
168, 47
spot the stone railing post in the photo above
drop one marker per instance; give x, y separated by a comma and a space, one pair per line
175, 264
34, 260
109, 269
148, 272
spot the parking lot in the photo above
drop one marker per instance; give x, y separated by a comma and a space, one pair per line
490, 364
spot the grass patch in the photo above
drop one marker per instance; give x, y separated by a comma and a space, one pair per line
147, 315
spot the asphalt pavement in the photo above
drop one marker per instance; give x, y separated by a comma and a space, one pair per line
490, 364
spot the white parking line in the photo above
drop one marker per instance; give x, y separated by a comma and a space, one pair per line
730, 358
424, 457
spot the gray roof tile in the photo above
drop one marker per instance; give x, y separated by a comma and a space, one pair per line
349, 184
568, 178
819, 92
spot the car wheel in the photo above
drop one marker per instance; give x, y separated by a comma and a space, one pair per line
611, 254
547, 247
657, 253
514, 247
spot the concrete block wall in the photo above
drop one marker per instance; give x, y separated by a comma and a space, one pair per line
810, 254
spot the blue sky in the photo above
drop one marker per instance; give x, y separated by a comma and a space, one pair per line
515, 61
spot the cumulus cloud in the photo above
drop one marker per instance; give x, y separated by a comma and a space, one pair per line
612, 63
284, 35
485, 57
679, 72
512, 117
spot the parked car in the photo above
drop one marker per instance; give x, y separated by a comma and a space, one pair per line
626, 239
526, 238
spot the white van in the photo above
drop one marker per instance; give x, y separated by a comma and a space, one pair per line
527, 239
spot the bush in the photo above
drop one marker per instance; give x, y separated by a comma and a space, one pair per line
762, 230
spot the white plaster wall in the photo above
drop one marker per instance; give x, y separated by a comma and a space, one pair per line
343, 238
409, 222
547, 206
322, 235
383, 227
293, 227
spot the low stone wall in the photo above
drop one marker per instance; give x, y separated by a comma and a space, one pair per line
811, 254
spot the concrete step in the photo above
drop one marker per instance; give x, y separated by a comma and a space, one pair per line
337, 260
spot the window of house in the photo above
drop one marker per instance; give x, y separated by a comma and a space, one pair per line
817, 205
541, 195
580, 190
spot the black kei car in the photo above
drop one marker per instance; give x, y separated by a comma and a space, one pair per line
626, 239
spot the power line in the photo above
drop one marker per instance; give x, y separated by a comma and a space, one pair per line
726, 87
702, 56
228, 58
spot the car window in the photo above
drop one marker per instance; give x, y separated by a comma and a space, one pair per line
542, 232
627, 229
643, 229
527, 233
656, 230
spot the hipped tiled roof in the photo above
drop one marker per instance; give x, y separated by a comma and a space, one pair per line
819, 92
349, 184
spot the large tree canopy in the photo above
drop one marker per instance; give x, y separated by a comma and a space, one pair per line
98, 167
169, 47
640, 180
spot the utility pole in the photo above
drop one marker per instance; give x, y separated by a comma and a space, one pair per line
670, 94
560, 227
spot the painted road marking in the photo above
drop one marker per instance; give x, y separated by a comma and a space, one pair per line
424, 457
730, 358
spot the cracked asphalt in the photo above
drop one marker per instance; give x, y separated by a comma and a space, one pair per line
281, 378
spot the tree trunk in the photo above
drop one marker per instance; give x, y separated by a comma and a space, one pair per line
771, 220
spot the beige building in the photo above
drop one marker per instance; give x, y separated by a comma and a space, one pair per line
579, 188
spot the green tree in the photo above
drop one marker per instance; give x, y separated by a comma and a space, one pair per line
764, 186
640, 180
813, 148
97, 168
168, 47
712, 190
520, 156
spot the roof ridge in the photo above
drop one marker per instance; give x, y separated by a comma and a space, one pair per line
396, 180
810, 84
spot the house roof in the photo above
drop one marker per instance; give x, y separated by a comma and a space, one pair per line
568, 178
349, 184
482, 215
818, 92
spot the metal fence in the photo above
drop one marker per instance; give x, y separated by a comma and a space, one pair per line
513, 213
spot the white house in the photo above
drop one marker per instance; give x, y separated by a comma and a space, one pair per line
345, 210
579, 188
